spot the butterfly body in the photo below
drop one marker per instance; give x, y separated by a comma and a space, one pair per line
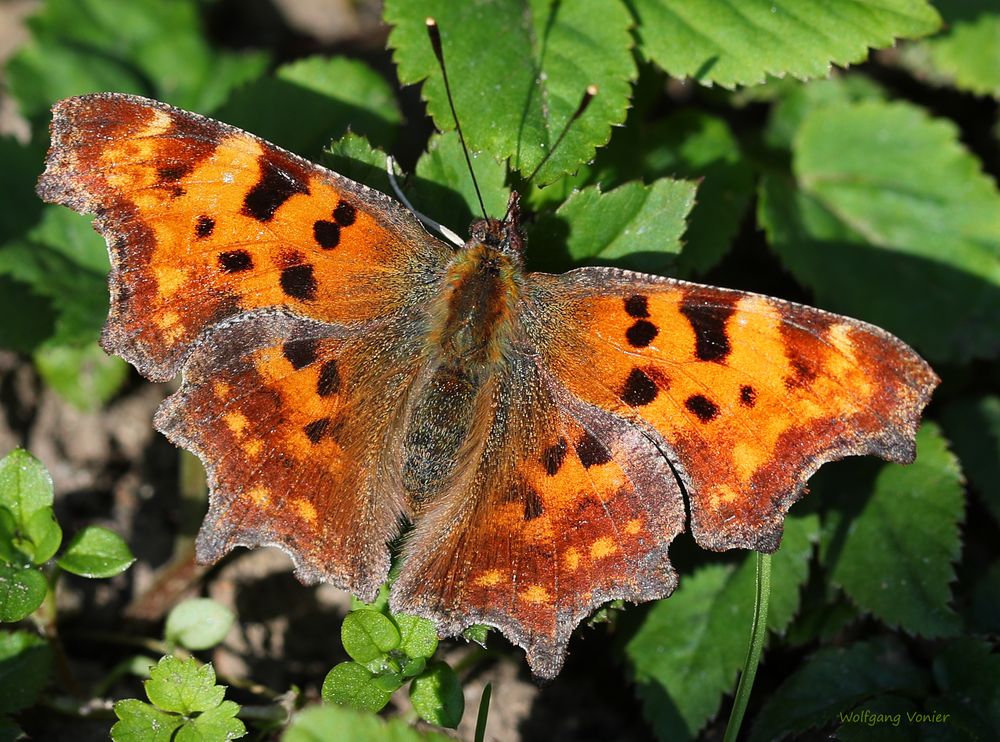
545, 436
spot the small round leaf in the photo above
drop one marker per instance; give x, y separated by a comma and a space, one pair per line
199, 623
418, 636
437, 696
96, 552
367, 635
22, 590
45, 535
350, 684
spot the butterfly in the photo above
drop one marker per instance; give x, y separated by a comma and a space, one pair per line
543, 438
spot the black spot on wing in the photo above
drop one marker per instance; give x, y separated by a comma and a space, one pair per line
204, 227
708, 320
173, 173
641, 334
554, 456
345, 214
235, 261
703, 408
317, 429
326, 234
329, 379
300, 353
637, 306
533, 507
638, 389
591, 451
275, 186
748, 396
298, 282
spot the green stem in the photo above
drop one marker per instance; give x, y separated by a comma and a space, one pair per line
484, 712
758, 636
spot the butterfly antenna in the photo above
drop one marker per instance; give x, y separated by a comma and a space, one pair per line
390, 170
588, 95
435, 35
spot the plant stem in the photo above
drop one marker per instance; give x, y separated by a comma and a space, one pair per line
758, 635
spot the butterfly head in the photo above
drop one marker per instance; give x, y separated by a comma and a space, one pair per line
503, 235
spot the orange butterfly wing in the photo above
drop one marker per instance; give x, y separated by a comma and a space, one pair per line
748, 395
205, 221
290, 295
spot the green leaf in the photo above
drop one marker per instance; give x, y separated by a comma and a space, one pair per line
894, 558
96, 552
634, 226
198, 623
418, 636
64, 260
25, 485
833, 682
22, 208
44, 533
183, 686
443, 188
437, 696
140, 722
367, 635
324, 723
968, 50
477, 633
85, 376
514, 101
136, 46
25, 668
688, 651
717, 42
22, 590
883, 186
353, 685
328, 96
36, 317
967, 671
219, 723
353, 157
973, 427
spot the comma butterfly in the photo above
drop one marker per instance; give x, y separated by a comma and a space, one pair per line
346, 373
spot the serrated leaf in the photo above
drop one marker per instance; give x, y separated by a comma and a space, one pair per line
514, 101
437, 697
367, 635
96, 552
22, 590
328, 96
353, 157
973, 427
721, 43
690, 646
418, 636
140, 722
443, 188
895, 557
967, 51
693, 145
25, 485
323, 723
25, 668
884, 187
219, 723
136, 46
85, 376
183, 686
65, 261
966, 671
833, 682
198, 623
634, 226
353, 685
